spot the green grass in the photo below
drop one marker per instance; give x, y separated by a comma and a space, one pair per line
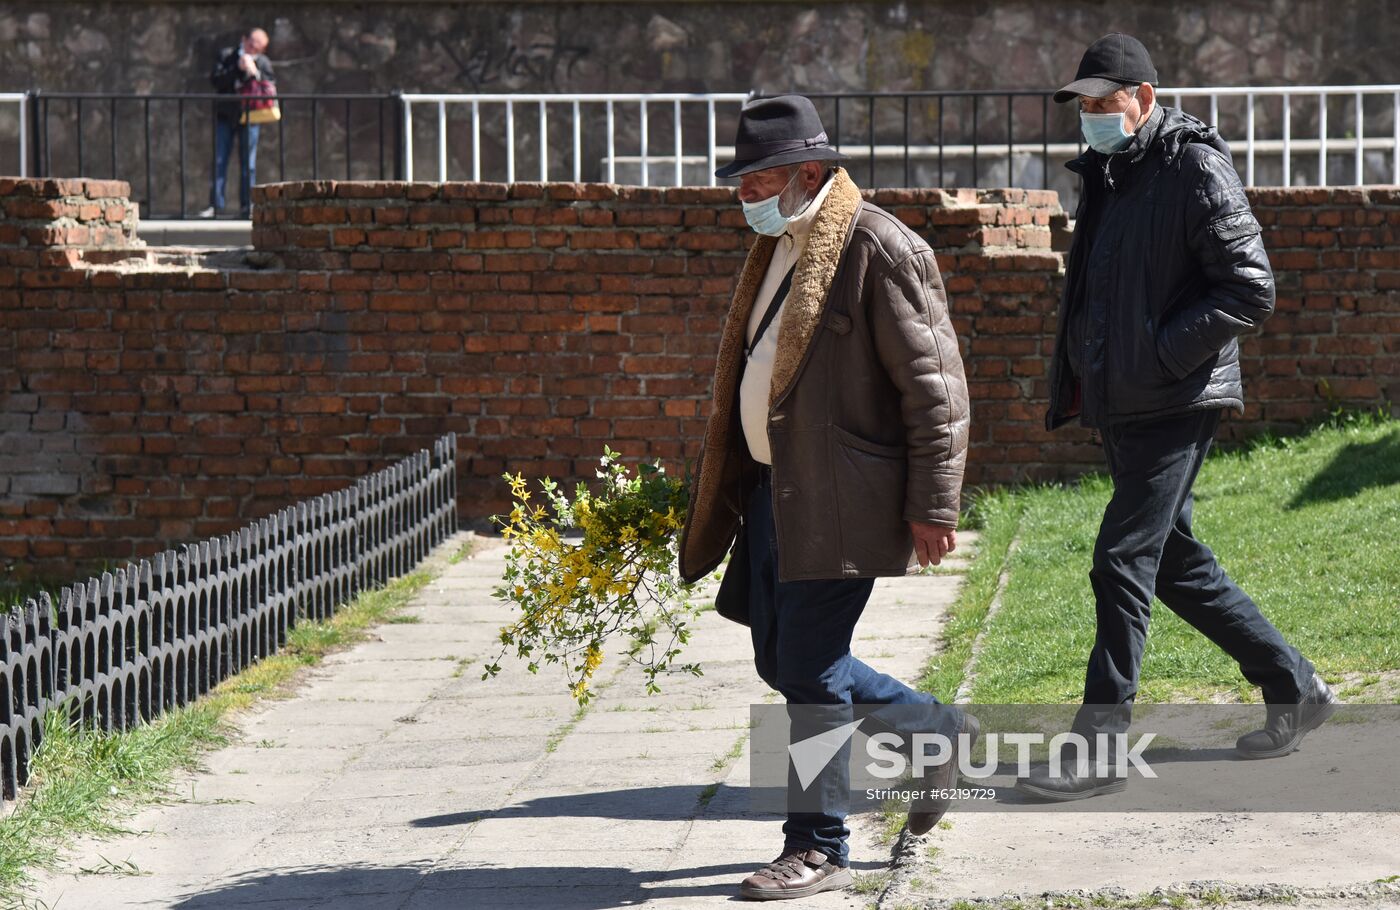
465, 551
872, 882
85, 782
558, 735
997, 514
1308, 526
724, 761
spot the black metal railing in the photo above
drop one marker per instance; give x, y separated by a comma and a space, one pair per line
954, 138
150, 141
984, 138
122, 649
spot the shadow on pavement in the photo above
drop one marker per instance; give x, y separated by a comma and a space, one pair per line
636, 804
573, 887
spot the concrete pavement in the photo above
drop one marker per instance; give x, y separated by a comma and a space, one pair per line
397, 778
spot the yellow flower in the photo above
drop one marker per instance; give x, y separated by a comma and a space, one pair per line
628, 535
592, 659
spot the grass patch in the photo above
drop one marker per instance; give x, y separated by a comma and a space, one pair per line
707, 794
84, 782
728, 758
465, 551
892, 816
1306, 525
558, 735
870, 882
997, 514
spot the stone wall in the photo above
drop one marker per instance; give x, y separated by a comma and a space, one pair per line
324, 45
144, 404
331, 46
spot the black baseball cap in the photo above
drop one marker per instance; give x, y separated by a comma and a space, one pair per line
1109, 64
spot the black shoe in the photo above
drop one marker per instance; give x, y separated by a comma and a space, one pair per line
1068, 785
1287, 724
925, 813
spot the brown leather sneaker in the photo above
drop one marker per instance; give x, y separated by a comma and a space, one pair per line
925, 813
796, 873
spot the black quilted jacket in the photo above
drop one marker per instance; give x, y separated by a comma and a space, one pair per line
1166, 269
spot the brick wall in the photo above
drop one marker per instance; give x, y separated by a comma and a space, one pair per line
53, 222
144, 404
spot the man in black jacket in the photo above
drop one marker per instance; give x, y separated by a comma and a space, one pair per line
235, 67
1166, 270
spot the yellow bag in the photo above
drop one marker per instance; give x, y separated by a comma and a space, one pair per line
259, 98
263, 115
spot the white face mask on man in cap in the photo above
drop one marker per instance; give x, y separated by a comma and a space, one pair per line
1109, 123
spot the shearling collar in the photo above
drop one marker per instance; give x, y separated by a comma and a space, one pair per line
811, 281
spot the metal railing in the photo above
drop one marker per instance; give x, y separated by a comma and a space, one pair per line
149, 141
21, 102
1280, 135
981, 138
122, 649
674, 108
1320, 97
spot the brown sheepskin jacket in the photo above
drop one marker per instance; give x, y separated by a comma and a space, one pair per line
868, 414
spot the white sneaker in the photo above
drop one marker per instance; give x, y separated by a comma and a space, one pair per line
206, 213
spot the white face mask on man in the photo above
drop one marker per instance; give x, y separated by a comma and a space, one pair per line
1107, 133
767, 217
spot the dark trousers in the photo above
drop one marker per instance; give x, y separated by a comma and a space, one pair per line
802, 648
1145, 548
225, 131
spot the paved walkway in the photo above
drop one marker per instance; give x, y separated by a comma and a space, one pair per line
395, 777
398, 778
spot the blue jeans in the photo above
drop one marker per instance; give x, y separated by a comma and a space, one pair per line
802, 648
247, 134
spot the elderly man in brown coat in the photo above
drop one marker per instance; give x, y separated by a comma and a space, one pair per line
833, 454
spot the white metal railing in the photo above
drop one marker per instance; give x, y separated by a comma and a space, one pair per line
22, 101
654, 166
1285, 146
576, 104
1273, 105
